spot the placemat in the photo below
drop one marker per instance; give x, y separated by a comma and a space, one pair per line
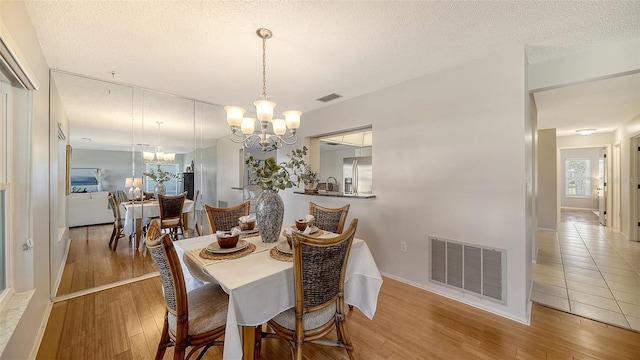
234, 255
280, 256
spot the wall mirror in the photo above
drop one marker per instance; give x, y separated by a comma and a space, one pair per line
110, 127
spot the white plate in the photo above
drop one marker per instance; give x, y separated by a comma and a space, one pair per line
216, 249
252, 231
314, 229
283, 247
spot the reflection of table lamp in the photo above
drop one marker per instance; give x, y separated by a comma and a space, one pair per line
137, 182
128, 182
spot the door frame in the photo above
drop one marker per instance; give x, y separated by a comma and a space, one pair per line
559, 175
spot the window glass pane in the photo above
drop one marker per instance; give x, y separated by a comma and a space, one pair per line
577, 177
171, 185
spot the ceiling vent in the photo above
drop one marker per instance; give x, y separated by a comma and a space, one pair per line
329, 97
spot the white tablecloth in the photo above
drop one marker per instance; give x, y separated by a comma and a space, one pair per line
261, 287
146, 210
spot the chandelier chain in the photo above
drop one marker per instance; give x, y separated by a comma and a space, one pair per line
264, 68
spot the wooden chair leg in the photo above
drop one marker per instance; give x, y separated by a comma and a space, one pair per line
165, 341
113, 233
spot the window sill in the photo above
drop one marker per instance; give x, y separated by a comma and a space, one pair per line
10, 315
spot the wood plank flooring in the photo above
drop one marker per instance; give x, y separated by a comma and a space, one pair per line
92, 263
410, 323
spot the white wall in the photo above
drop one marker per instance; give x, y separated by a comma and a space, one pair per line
228, 161
35, 272
588, 202
628, 179
451, 164
547, 178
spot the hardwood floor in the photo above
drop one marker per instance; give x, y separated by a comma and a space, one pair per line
410, 323
92, 263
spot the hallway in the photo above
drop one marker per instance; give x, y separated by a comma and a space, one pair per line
588, 270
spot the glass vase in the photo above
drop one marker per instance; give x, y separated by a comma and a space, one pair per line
160, 189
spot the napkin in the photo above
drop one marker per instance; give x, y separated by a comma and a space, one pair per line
234, 231
248, 218
309, 218
307, 231
288, 231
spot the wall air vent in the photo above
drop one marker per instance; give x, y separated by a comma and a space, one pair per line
61, 134
469, 268
329, 97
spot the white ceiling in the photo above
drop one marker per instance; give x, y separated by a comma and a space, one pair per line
208, 50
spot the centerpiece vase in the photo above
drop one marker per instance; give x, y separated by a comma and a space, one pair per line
160, 189
269, 215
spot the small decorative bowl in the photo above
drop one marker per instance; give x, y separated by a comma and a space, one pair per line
227, 240
247, 225
302, 224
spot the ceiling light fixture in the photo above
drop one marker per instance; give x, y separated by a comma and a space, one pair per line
159, 156
585, 132
264, 112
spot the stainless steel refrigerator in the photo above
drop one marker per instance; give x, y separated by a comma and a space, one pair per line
357, 173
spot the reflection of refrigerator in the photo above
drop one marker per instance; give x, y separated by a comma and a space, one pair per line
358, 174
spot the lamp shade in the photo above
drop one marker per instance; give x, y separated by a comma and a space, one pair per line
234, 115
148, 155
248, 125
292, 118
137, 182
279, 127
128, 182
264, 109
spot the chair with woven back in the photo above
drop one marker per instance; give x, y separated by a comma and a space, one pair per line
171, 213
195, 213
118, 225
223, 219
194, 319
329, 219
319, 266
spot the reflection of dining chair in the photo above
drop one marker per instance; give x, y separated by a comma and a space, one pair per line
329, 219
153, 231
148, 195
118, 225
171, 213
223, 219
195, 212
196, 318
319, 266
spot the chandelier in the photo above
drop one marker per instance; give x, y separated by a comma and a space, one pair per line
159, 156
264, 112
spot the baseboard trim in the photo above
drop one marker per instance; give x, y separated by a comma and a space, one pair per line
61, 270
522, 320
104, 287
545, 229
577, 208
41, 330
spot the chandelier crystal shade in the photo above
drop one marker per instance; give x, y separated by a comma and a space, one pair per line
159, 156
243, 128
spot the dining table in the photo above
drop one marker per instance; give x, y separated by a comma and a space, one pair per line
260, 284
137, 212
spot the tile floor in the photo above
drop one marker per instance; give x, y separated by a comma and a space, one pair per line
588, 270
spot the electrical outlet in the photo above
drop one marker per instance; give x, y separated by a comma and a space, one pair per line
403, 246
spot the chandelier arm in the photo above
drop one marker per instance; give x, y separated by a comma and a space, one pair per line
284, 140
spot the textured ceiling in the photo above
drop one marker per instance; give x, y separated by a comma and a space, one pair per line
208, 50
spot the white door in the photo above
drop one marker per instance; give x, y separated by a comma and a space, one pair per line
602, 186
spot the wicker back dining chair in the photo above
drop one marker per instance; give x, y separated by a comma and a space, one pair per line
319, 267
329, 219
223, 219
118, 225
196, 214
171, 213
197, 318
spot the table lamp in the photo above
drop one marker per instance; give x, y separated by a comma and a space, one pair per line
128, 182
137, 182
